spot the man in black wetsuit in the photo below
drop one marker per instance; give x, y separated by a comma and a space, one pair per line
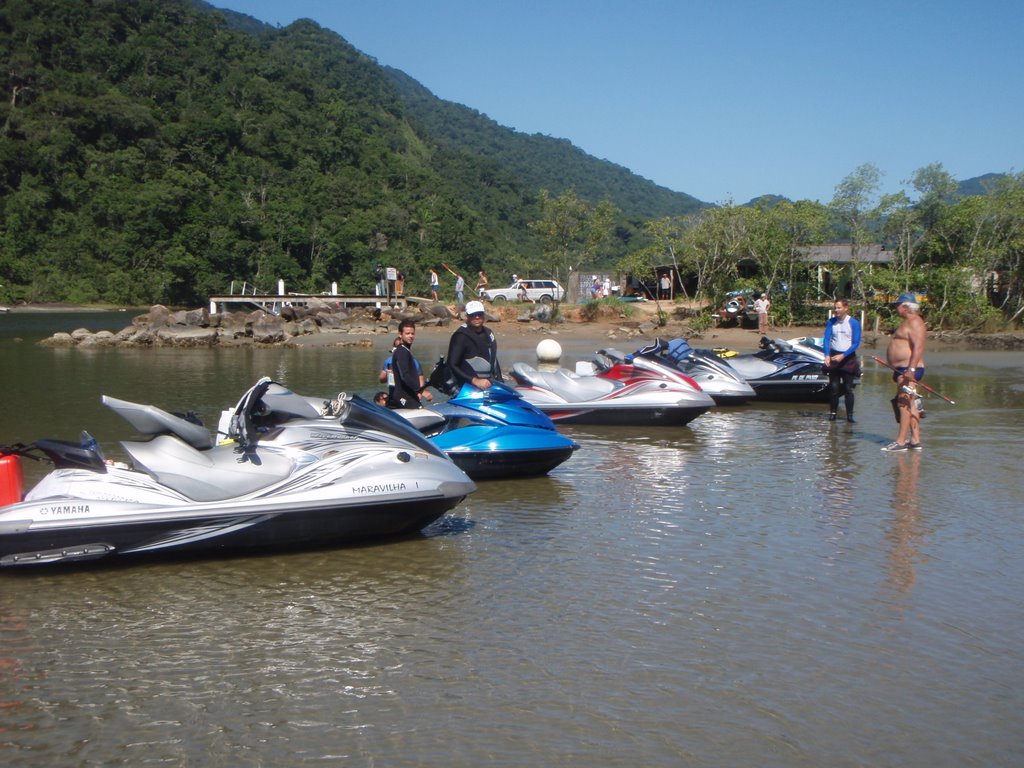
408, 387
474, 340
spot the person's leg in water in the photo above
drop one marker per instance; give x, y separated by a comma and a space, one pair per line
847, 384
834, 386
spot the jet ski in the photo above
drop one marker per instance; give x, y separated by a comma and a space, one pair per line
639, 394
813, 346
342, 471
712, 374
781, 371
493, 433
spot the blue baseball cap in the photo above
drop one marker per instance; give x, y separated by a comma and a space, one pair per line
905, 298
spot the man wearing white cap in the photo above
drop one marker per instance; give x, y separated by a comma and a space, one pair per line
474, 341
905, 355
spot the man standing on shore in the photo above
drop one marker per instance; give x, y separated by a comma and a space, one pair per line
761, 306
435, 284
460, 289
905, 354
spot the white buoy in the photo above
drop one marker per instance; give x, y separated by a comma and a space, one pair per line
549, 351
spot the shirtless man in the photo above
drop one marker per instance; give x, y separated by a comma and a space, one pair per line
906, 354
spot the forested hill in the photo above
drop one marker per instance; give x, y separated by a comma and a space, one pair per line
542, 162
152, 151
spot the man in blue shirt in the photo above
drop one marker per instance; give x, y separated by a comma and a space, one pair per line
842, 337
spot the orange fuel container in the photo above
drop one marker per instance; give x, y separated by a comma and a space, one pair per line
12, 481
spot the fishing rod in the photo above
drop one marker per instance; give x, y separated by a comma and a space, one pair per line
920, 383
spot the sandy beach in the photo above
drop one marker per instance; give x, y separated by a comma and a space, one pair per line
638, 323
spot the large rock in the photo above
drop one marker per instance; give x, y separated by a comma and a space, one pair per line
330, 320
233, 324
157, 317
301, 327
544, 313
59, 340
293, 313
198, 317
137, 337
268, 329
184, 336
436, 309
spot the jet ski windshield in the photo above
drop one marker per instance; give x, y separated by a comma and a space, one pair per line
362, 413
269, 403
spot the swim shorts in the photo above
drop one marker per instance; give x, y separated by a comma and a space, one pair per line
918, 373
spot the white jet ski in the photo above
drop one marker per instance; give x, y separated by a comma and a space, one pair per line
343, 471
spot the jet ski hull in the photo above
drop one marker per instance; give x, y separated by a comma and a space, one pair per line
487, 453
646, 416
207, 531
809, 391
494, 465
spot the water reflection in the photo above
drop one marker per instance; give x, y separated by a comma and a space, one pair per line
838, 472
837, 485
907, 529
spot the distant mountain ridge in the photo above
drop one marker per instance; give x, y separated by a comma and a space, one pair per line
540, 161
979, 185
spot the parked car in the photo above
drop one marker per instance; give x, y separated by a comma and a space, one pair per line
544, 291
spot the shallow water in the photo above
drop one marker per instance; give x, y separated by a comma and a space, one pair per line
759, 588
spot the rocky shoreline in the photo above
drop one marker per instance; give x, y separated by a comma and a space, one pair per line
324, 324
297, 326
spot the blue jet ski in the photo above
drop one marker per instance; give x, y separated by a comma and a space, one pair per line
493, 433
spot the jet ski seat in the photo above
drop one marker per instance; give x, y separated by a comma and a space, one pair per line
567, 385
751, 367
212, 475
150, 420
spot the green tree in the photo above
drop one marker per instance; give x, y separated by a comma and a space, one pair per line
859, 214
571, 232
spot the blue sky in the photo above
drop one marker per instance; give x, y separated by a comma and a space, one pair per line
724, 100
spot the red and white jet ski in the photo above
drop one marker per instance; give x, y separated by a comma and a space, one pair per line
638, 394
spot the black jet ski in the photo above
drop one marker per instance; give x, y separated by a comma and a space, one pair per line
779, 371
294, 471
